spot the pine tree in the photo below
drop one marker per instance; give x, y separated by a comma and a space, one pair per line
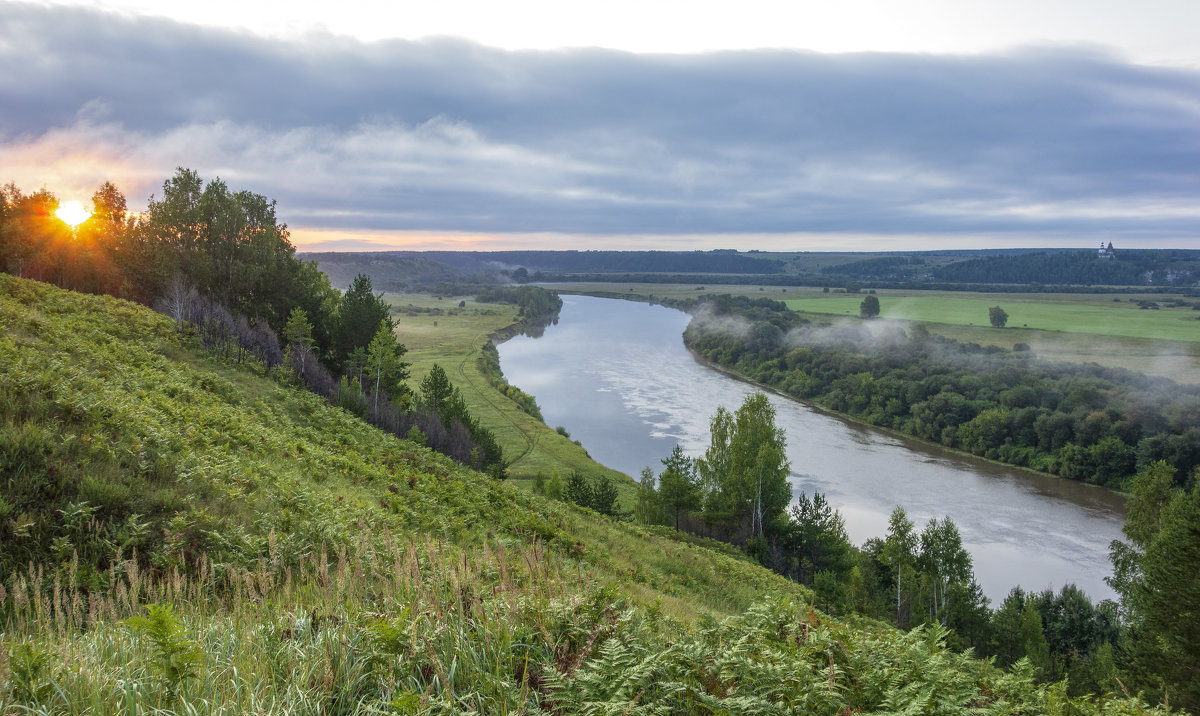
678, 485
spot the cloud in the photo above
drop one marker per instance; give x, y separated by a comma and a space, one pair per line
445, 135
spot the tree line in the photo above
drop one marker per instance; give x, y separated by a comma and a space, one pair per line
738, 491
1125, 268
222, 264
1082, 422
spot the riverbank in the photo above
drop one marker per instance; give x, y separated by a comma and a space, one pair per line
453, 332
617, 374
897, 434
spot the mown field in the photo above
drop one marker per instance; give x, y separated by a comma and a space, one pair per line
438, 330
1060, 327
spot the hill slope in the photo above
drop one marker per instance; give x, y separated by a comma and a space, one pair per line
282, 556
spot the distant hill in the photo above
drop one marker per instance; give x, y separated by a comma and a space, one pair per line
462, 271
411, 268
389, 271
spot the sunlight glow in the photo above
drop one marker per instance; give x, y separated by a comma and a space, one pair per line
72, 213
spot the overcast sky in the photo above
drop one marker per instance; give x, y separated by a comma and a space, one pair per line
897, 125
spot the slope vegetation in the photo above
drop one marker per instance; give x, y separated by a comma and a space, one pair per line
186, 535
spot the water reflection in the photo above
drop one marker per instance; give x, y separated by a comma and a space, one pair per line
617, 375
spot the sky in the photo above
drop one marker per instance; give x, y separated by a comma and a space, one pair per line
857, 125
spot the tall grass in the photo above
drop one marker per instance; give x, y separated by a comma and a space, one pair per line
417, 627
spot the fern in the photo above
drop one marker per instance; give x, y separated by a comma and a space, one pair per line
176, 657
27, 672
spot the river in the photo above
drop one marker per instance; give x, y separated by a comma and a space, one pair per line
617, 376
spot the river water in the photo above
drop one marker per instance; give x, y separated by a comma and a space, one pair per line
617, 375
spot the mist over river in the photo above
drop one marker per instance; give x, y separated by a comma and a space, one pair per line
617, 375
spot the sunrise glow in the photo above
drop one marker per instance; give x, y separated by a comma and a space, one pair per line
72, 213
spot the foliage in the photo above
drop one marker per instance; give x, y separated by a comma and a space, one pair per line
1083, 422
1128, 268
176, 657
745, 468
360, 314
1155, 573
679, 488
869, 308
598, 493
997, 316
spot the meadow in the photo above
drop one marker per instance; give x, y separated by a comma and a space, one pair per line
439, 330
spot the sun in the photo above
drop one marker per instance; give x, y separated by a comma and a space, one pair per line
72, 213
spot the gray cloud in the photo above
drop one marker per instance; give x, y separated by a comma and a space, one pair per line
449, 135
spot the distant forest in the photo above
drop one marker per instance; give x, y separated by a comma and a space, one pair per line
451, 272
1124, 268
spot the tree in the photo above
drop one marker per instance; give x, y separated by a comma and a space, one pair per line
814, 541
745, 468
900, 553
869, 308
578, 489
387, 370
998, 317
1156, 574
359, 315
678, 484
297, 333
1033, 639
437, 392
648, 509
230, 245
944, 562
604, 497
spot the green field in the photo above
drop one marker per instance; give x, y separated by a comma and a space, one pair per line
1069, 313
453, 339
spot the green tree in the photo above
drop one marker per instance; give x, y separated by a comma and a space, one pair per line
678, 484
745, 468
1156, 573
998, 317
604, 497
1006, 644
648, 508
1033, 639
359, 315
900, 554
814, 541
554, 486
578, 489
944, 563
388, 371
297, 333
437, 393
869, 308
230, 245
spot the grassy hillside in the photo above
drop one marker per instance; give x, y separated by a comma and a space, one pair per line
183, 535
